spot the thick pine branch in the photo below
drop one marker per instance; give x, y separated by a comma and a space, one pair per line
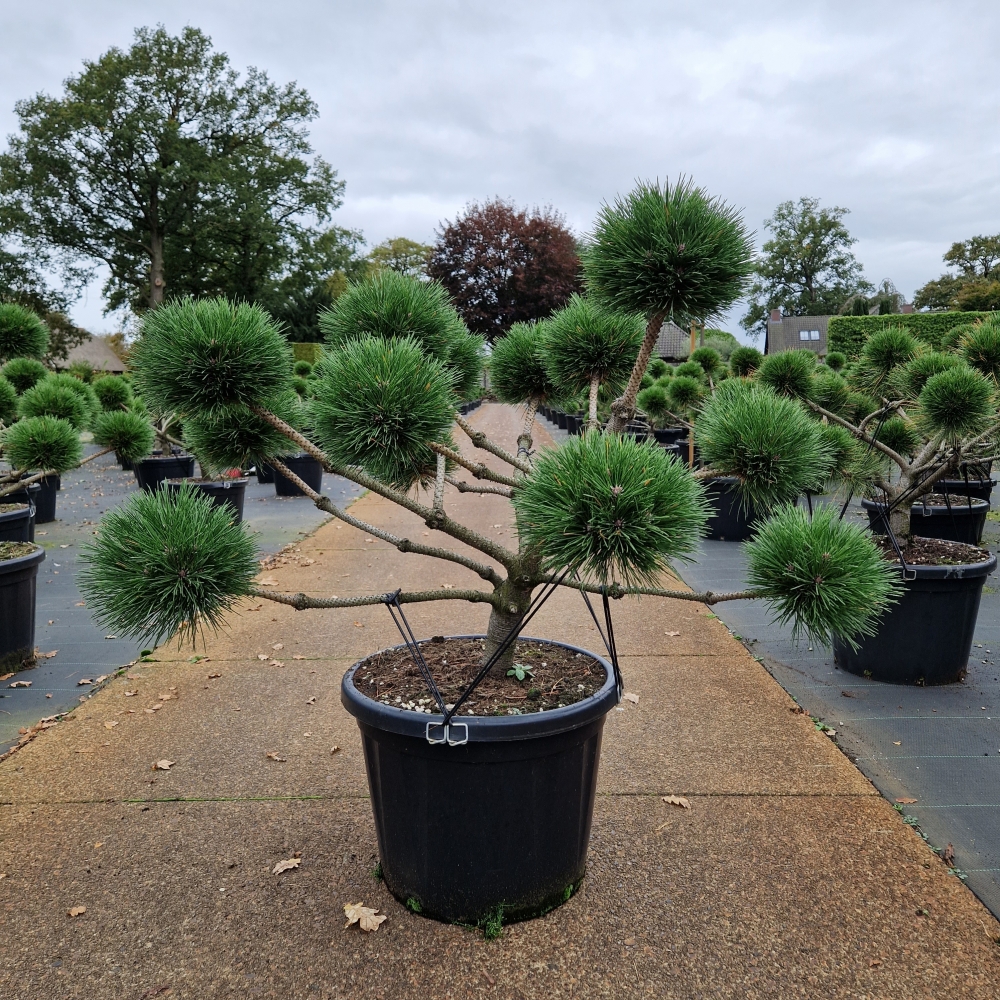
861, 435
463, 487
480, 440
302, 601
623, 408
478, 469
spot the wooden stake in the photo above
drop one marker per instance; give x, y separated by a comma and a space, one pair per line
694, 327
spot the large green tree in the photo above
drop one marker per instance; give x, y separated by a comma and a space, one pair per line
976, 284
806, 268
180, 176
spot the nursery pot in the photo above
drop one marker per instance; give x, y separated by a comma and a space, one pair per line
125, 463
17, 609
960, 523
265, 474
150, 472
733, 520
306, 468
982, 489
45, 501
502, 819
15, 525
669, 435
228, 493
574, 423
28, 495
561, 419
926, 638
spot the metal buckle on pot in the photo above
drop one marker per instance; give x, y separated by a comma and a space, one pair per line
435, 725
455, 725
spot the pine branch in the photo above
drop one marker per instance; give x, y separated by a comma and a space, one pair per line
617, 591
463, 487
861, 435
21, 483
480, 440
302, 601
478, 469
524, 439
439, 483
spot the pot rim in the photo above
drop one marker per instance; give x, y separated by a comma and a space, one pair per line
32, 558
483, 729
162, 458
975, 507
220, 483
961, 571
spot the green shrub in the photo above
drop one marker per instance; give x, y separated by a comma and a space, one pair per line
128, 433
690, 369
42, 444
302, 368
788, 373
684, 392
22, 333
8, 402
836, 360
112, 392
900, 435
52, 398
848, 334
957, 402
745, 361
23, 373
82, 370
307, 352
657, 367
830, 391
883, 352
466, 362
167, 563
908, 380
301, 386
709, 359
517, 366
655, 403
981, 349
612, 507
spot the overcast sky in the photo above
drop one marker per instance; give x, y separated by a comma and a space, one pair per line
886, 108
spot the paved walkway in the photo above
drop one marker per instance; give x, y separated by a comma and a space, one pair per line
788, 876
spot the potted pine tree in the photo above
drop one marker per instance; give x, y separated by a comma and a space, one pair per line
603, 513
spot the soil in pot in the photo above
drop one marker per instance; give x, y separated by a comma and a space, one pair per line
496, 821
926, 638
952, 517
15, 522
18, 571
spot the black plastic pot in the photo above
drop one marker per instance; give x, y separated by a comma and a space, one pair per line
561, 419
265, 474
150, 472
17, 610
926, 638
125, 463
15, 525
982, 489
500, 820
45, 501
228, 493
959, 523
733, 520
574, 424
29, 495
669, 435
306, 468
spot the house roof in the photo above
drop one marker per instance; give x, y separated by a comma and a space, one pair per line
784, 334
97, 354
673, 343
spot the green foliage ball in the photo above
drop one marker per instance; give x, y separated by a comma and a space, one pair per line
859, 406
40, 444
788, 373
236, 438
517, 366
83, 389
958, 402
766, 440
745, 361
130, 434
883, 352
584, 340
112, 392
466, 362
823, 575
8, 402
690, 369
22, 333
302, 368
52, 398
301, 386
900, 435
830, 391
709, 359
646, 381
23, 373
194, 357
655, 403
657, 367
952, 340
684, 393
909, 379
377, 404
613, 507
82, 370
981, 349
166, 563
836, 360
670, 250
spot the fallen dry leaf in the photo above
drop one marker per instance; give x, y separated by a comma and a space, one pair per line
75, 911
334, 749
297, 656
110, 725
874, 963
634, 698
358, 625
311, 701
906, 802
3, 874
278, 645
897, 743
276, 663
447, 586
273, 755
131, 694
49, 655
163, 765
21, 684
262, 656
81, 604
84, 681
268, 582
366, 916
948, 855
671, 633
677, 800
166, 696
111, 637
212, 677
284, 866
100, 843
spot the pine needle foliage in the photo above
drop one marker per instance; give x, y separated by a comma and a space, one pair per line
657, 367
112, 392
22, 333
128, 433
8, 401
690, 369
709, 359
39, 444
767, 441
957, 402
655, 403
684, 393
614, 508
234, 437
670, 249
908, 380
52, 399
517, 366
883, 352
583, 340
830, 391
301, 386
745, 361
302, 368
836, 360
466, 361
852, 464
378, 403
23, 373
981, 349
788, 373
167, 563
194, 357
952, 340
823, 575
900, 435
84, 390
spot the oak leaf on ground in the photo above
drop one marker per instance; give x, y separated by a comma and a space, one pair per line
677, 800
366, 916
284, 866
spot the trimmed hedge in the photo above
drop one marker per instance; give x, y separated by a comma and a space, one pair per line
849, 333
309, 351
